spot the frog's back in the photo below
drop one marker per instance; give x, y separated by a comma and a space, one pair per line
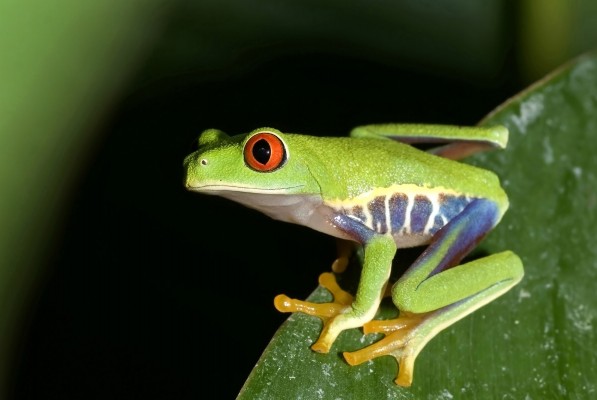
351, 167
389, 187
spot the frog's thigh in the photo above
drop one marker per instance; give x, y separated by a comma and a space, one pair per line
433, 281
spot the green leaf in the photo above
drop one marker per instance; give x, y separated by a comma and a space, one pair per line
537, 341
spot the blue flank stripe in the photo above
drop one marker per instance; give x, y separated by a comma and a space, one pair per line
420, 214
398, 204
377, 207
353, 220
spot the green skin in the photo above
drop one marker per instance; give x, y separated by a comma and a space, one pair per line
321, 177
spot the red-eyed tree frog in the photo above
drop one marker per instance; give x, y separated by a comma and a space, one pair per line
376, 190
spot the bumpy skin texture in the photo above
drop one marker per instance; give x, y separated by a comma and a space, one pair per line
337, 168
376, 190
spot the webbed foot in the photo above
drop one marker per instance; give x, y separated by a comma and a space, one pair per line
325, 311
404, 340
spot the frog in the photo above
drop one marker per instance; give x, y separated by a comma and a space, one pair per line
379, 190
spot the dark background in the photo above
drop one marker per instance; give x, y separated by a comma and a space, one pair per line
154, 292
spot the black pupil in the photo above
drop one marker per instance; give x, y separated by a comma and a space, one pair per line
262, 151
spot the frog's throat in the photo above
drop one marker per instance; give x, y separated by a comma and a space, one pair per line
302, 209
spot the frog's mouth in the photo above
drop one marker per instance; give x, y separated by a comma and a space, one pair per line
224, 189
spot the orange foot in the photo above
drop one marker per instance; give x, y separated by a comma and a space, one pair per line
405, 336
325, 311
404, 340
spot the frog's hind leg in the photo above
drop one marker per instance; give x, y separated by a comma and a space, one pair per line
435, 292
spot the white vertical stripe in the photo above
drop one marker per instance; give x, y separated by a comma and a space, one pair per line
434, 211
409, 207
387, 211
368, 222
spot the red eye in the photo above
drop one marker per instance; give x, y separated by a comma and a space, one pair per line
265, 152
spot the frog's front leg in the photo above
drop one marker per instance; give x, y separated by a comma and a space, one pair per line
346, 313
435, 292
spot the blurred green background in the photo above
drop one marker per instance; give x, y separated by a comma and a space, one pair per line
110, 273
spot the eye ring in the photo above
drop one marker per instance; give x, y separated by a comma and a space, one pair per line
265, 152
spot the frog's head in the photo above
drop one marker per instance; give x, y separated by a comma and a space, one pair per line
264, 162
